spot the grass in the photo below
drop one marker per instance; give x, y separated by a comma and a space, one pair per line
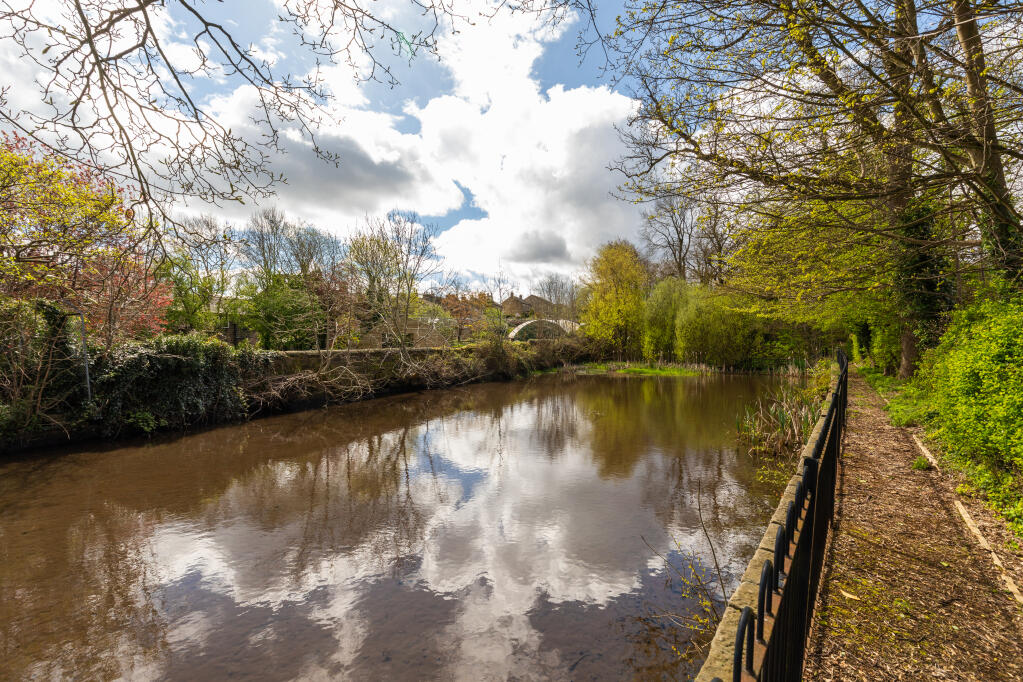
664, 371
781, 422
640, 369
907, 405
921, 464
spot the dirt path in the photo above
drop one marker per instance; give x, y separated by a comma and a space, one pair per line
907, 594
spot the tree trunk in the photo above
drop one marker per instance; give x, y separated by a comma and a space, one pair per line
1003, 234
910, 353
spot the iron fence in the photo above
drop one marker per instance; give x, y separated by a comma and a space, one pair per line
770, 642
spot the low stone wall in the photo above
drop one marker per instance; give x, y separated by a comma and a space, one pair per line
722, 648
293, 361
303, 379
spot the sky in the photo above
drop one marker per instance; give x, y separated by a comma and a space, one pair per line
503, 140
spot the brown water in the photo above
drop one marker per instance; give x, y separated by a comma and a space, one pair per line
499, 531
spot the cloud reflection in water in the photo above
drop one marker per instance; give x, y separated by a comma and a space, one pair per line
491, 532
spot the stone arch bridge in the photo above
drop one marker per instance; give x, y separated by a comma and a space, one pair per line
542, 328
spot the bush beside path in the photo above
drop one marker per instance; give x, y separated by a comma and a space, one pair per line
908, 593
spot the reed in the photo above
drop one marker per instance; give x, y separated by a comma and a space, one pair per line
780, 423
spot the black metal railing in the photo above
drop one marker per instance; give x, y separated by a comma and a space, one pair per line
770, 642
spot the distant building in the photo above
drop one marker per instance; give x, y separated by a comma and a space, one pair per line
540, 307
513, 306
234, 333
531, 305
227, 329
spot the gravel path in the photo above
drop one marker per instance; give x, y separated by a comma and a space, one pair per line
907, 594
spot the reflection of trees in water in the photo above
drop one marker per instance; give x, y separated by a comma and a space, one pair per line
630, 416
76, 596
358, 494
77, 580
557, 420
670, 642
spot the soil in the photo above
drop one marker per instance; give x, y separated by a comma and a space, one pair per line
908, 593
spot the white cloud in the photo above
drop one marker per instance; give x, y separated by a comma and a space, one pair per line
536, 162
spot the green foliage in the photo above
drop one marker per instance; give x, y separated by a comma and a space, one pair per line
193, 296
921, 281
921, 463
492, 325
41, 370
781, 423
633, 369
660, 311
973, 381
613, 299
969, 395
908, 404
172, 382
855, 352
715, 329
708, 331
885, 346
284, 314
661, 371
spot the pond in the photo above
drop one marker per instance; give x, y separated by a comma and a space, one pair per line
526, 530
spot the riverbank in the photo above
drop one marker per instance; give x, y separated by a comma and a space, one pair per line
183, 383
656, 369
908, 591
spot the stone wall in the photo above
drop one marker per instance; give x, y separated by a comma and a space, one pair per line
304, 379
292, 361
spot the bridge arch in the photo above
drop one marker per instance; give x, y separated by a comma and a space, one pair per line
541, 328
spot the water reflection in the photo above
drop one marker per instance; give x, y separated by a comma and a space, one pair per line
497, 531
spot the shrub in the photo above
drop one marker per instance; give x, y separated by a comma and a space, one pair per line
973, 380
172, 382
885, 348
41, 368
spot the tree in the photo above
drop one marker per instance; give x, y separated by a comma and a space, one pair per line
392, 256
612, 308
119, 89
265, 245
788, 107
67, 236
465, 306
305, 277
199, 269
670, 230
562, 292
659, 312
122, 92
284, 313
835, 102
